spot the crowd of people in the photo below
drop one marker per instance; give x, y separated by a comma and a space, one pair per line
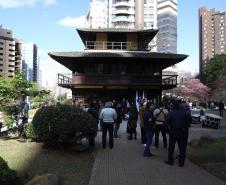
174, 120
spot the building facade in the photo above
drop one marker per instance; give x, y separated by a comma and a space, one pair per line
25, 70
122, 13
212, 35
35, 63
10, 53
167, 26
115, 65
96, 16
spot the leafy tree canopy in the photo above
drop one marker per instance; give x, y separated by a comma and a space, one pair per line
215, 69
13, 88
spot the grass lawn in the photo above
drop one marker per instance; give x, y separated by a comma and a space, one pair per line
30, 159
211, 155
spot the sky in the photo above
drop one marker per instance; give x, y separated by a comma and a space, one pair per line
50, 24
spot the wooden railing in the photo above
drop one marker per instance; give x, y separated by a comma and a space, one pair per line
117, 80
64, 79
103, 45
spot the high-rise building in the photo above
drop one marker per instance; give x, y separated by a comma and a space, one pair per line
25, 70
31, 58
96, 16
35, 63
30, 74
18, 55
212, 35
123, 13
39, 73
10, 53
167, 26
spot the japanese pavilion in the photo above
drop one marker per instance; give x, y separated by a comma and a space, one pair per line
116, 64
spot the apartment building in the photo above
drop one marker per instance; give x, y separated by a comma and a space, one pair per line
122, 13
96, 16
10, 53
212, 35
167, 26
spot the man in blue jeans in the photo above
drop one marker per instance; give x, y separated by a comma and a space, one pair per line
108, 116
149, 128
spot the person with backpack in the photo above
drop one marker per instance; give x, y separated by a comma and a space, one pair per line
160, 116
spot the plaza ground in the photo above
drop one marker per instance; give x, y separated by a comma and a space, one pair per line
122, 165
125, 165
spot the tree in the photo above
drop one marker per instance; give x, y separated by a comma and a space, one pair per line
62, 97
13, 89
215, 69
191, 88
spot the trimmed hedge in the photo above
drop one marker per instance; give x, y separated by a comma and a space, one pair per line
63, 124
7, 176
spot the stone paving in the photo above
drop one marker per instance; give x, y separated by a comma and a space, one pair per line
125, 165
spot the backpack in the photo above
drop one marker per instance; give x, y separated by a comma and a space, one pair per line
161, 111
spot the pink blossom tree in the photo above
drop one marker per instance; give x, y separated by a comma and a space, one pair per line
191, 88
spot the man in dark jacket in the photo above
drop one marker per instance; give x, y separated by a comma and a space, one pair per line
118, 121
94, 112
149, 128
178, 121
221, 108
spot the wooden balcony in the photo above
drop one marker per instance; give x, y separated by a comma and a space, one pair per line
101, 81
102, 45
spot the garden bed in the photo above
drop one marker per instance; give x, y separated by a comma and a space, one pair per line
30, 159
210, 155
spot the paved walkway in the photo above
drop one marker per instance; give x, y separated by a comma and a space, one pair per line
124, 165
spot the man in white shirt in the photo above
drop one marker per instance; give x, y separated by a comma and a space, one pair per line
108, 116
160, 116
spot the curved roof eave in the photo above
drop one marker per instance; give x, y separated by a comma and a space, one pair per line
69, 59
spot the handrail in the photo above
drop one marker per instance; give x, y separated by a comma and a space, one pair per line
166, 79
63, 79
109, 45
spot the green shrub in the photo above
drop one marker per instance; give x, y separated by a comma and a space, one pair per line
29, 132
9, 121
63, 124
7, 176
37, 104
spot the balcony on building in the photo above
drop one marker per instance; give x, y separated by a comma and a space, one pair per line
123, 3
123, 11
123, 18
116, 39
